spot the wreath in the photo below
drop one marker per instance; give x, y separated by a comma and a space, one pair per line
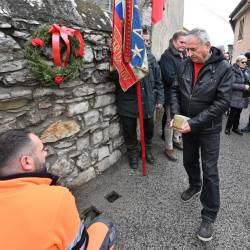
46, 44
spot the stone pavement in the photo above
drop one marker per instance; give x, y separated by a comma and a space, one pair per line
149, 213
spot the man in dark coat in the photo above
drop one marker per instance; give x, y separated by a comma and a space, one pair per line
202, 92
152, 97
170, 62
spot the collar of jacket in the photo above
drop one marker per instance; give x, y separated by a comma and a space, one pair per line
53, 179
174, 51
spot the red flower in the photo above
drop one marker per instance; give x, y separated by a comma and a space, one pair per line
37, 42
58, 80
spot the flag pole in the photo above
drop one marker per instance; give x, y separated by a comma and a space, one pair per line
140, 112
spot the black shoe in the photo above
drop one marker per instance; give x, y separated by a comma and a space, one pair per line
227, 131
149, 156
189, 193
237, 131
205, 231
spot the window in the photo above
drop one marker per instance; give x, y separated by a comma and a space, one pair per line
241, 29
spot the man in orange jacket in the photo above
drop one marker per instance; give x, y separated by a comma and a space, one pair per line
34, 213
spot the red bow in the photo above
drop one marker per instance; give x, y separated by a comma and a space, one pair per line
64, 33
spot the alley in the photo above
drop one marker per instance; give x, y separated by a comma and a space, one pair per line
149, 213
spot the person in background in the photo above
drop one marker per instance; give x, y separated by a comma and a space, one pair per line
169, 63
227, 56
202, 92
152, 98
246, 129
239, 95
35, 213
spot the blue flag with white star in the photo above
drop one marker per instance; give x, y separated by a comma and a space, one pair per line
137, 44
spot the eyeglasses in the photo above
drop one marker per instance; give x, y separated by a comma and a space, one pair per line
243, 62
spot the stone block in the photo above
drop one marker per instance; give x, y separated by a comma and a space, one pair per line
88, 55
91, 118
83, 161
110, 110
7, 43
96, 137
103, 152
114, 130
109, 161
104, 100
77, 108
13, 104
117, 142
62, 167
84, 90
12, 66
83, 177
82, 143
103, 66
104, 88
60, 130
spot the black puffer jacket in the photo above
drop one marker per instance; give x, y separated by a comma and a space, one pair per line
170, 62
239, 94
209, 98
151, 89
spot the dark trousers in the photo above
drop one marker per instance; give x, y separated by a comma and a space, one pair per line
233, 118
206, 148
130, 135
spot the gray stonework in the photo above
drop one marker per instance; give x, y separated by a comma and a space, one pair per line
74, 120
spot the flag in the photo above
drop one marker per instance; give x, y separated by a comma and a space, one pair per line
157, 10
128, 55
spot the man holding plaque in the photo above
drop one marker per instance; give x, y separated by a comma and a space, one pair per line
199, 97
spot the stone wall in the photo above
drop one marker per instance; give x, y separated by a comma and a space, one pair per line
77, 121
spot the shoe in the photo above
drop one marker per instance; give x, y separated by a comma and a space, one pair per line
170, 155
149, 156
227, 131
189, 193
237, 131
178, 145
205, 231
245, 130
133, 159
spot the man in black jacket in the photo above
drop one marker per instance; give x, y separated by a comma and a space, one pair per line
152, 97
202, 92
170, 62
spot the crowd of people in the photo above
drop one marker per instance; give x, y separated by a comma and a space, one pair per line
201, 84
192, 79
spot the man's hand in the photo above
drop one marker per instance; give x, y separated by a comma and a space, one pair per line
184, 129
159, 106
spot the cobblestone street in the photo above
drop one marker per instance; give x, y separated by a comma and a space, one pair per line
149, 213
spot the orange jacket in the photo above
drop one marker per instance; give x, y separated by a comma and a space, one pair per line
37, 216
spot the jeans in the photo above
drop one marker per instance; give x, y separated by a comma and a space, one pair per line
170, 134
130, 135
205, 147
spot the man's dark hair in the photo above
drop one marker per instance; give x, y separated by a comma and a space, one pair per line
247, 55
176, 35
12, 143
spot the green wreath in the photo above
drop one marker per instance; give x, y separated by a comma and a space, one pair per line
39, 62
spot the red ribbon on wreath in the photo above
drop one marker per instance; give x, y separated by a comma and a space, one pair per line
64, 33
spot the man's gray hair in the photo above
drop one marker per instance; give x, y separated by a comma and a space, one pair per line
201, 34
